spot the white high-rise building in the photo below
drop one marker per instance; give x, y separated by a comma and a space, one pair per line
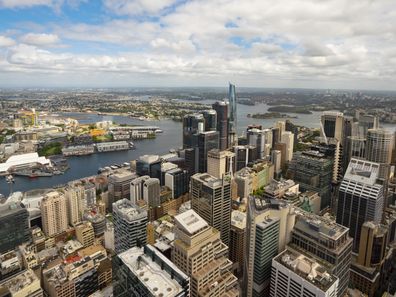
220, 162
136, 191
288, 139
75, 196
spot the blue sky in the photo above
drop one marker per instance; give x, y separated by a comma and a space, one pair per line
128, 43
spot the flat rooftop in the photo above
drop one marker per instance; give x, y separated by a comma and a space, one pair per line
20, 281
238, 219
190, 221
307, 269
362, 171
209, 180
157, 281
128, 211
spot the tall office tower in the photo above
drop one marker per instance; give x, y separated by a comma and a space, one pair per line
268, 229
211, 199
293, 129
146, 272
366, 122
75, 197
149, 165
210, 117
14, 222
294, 274
192, 124
136, 191
199, 252
190, 161
54, 213
281, 125
165, 167
178, 181
221, 109
206, 141
232, 119
220, 162
276, 136
282, 148
355, 147
119, 186
90, 194
151, 192
244, 181
288, 139
244, 154
276, 159
313, 171
332, 125
262, 140
322, 239
237, 240
130, 223
379, 149
333, 151
360, 197
367, 267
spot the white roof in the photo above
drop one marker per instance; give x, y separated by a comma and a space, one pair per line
23, 159
190, 221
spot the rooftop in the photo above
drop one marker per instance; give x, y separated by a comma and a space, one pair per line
238, 219
190, 221
362, 171
209, 180
307, 268
20, 281
129, 211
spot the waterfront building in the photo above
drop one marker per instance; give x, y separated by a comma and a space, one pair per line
112, 146
14, 222
178, 181
151, 192
221, 109
288, 139
54, 213
360, 197
192, 125
149, 165
379, 149
313, 171
25, 283
332, 124
232, 117
220, 162
136, 191
199, 252
24, 162
146, 272
119, 186
211, 199
324, 240
294, 274
130, 223
210, 117
237, 240
78, 150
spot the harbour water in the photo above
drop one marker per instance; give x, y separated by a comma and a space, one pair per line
81, 166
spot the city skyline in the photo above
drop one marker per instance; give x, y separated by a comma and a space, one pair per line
74, 43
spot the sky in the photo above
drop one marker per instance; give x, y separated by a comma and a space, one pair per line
347, 44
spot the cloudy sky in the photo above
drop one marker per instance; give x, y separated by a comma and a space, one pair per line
278, 43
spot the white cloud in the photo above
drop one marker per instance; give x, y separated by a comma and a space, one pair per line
136, 7
23, 3
40, 39
6, 41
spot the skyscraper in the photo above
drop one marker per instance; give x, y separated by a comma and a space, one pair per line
130, 223
332, 125
75, 196
206, 141
54, 213
149, 165
379, 149
192, 124
220, 162
221, 109
151, 192
199, 252
211, 199
177, 180
119, 186
232, 119
288, 139
261, 139
238, 240
210, 117
136, 191
360, 198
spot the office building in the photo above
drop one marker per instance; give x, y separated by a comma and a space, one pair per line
379, 149
199, 252
237, 240
206, 141
244, 154
25, 283
14, 222
75, 196
119, 186
245, 184
276, 159
313, 171
178, 181
210, 117
192, 125
97, 220
165, 167
276, 136
288, 139
332, 125
261, 139
221, 109
130, 223
283, 151
232, 117
136, 190
85, 234
220, 162
146, 272
325, 241
281, 125
54, 213
151, 192
360, 197
149, 165
296, 275
211, 199
269, 225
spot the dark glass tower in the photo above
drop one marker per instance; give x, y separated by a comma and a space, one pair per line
221, 109
210, 117
206, 141
192, 124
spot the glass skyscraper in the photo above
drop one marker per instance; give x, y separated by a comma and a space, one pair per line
232, 119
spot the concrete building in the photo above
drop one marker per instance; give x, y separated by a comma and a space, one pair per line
288, 139
262, 140
151, 192
85, 234
130, 223
75, 197
146, 272
178, 181
119, 186
332, 124
276, 159
14, 222
136, 190
149, 165
244, 181
199, 252
379, 149
54, 213
220, 162
192, 124
296, 275
211, 199
237, 240
25, 283
360, 197
325, 241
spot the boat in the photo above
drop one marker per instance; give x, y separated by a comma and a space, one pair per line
158, 131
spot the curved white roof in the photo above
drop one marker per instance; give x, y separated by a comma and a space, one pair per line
23, 159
